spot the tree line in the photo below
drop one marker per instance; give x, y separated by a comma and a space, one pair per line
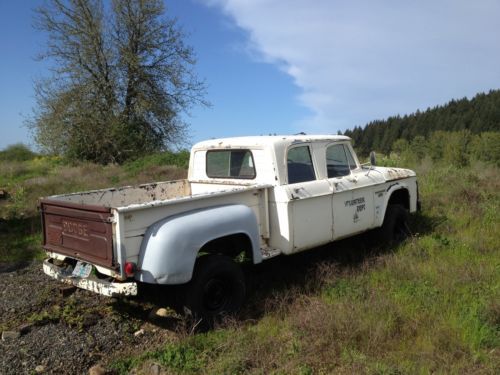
464, 119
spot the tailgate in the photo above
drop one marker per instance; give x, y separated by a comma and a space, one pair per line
80, 231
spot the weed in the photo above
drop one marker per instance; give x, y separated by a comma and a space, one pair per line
46, 316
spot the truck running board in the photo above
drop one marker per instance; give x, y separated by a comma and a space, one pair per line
269, 253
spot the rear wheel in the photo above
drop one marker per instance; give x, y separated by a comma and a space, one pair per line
217, 289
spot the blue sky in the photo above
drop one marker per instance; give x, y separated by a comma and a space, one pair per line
285, 66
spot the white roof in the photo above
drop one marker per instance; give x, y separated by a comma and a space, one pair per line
266, 140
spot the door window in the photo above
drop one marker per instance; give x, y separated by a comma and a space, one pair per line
350, 159
337, 163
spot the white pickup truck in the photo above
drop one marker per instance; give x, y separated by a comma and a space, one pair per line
245, 198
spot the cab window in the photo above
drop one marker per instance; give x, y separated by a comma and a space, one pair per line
337, 163
230, 164
300, 165
350, 159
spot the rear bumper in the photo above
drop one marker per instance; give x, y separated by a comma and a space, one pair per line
106, 288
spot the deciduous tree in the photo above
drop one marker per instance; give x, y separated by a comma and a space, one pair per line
120, 81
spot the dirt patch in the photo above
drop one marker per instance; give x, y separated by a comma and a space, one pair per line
48, 330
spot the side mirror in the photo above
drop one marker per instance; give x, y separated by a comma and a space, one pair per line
373, 159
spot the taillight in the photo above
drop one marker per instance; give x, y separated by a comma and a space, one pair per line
130, 268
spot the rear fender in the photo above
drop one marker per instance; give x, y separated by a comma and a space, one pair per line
170, 246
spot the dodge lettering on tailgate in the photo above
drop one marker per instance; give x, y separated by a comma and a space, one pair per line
74, 228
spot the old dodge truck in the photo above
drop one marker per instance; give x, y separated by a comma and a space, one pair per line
245, 198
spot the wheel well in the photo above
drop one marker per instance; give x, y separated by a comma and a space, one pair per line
232, 246
401, 197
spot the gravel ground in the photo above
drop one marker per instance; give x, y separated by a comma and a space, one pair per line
46, 331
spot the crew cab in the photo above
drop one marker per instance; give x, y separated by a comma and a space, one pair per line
248, 198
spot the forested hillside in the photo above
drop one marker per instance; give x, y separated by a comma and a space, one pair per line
471, 117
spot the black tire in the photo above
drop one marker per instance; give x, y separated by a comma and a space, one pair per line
217, 289
395, 228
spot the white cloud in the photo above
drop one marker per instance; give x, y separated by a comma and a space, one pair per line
360, 60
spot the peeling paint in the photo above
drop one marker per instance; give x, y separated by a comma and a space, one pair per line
392, 174
106, 288
128, 195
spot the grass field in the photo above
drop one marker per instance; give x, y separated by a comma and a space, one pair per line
430, 305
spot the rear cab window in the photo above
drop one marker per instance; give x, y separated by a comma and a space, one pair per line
299, 165
237, 164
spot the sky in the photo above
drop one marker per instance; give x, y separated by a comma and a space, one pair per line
289, 66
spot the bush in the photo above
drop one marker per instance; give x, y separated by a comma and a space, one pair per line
437, 140
179, 159
399, 146
486, 147
17, 152
419, 147
456, 148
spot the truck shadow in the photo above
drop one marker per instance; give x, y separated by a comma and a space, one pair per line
278, 280
271, 286
18, 242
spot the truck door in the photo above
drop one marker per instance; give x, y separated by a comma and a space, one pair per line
310, 222
352, 199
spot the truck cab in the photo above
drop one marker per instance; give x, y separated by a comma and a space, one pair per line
320, 192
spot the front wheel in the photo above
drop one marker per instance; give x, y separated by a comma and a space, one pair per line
395, 228
217, 288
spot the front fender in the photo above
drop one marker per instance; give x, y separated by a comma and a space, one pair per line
170, 246
393, 187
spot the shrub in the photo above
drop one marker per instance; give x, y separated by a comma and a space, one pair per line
486, 147
17, 152
456, 148
179, 159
